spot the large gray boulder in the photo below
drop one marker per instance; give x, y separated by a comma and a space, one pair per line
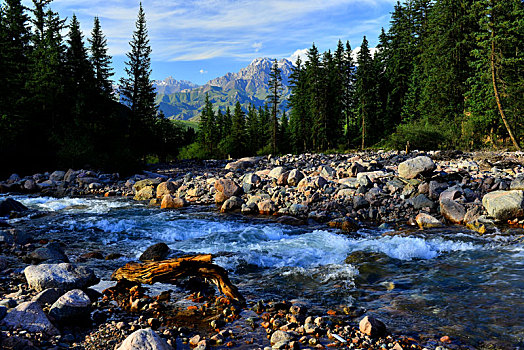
30, 317
74, 306
144, 339
504, 205
63, 276
276, 172
411, 168
294, 177
51, 251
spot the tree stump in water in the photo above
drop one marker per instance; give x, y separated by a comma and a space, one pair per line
170, 270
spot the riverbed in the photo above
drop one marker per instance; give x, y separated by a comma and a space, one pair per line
427, 283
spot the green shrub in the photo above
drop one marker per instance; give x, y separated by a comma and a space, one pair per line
421, 135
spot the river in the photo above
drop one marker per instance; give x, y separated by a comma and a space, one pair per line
448, 282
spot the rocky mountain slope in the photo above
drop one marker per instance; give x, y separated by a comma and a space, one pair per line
183, 100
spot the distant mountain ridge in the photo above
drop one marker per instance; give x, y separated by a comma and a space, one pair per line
184, 100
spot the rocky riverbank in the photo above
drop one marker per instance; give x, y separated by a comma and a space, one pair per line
46, 302
344, 191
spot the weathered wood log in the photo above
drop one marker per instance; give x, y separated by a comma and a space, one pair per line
170, 270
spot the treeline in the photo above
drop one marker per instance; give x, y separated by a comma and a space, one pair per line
57, 104
447, 74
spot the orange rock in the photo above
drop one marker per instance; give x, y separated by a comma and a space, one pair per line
445, 339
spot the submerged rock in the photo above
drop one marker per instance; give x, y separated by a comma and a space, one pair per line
51, 251
9, 205
63, 276
144, 339
156, 252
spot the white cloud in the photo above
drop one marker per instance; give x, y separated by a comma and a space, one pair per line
202, 71
257, 46
302, 53
182, 30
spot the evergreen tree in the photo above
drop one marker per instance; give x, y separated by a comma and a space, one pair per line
238, 131
298, 101
137, 91
100, 60
314, 93
275, 91
208, 133
496, 88
445, 61
348, 102
285, 144
253, 131
365, 92
15, 51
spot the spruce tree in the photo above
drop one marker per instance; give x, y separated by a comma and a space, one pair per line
275, 91
137, 91
238, 131
365, 92
100, 60
298, 101
314, 93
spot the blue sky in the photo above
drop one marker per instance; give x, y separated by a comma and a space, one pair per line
198, 40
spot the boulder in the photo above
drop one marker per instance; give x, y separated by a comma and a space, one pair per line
30, 317
57, 175
51, 251
436, 188
139, 185
242, 163
166, 187
280, 337
298, 209
226, 188
30, 185
250, 182
9, 205
504, 205
144, 339
452, 211
156, 252
72, 307
427, 221
275, 173
422, 201
266, 207
372, 327
294, 177
48, 296
231, 204
63, 276
517, 183
145, 194
3, 312
282, 179
326, 171
172, 202
411, 168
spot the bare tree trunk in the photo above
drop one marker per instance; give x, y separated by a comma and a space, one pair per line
170, 270
495, 90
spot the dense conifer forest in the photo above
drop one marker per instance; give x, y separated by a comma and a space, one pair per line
446, 74
57, 104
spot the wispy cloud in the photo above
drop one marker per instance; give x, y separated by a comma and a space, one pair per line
182, 30
202, 71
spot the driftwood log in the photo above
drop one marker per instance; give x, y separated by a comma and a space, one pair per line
170, 270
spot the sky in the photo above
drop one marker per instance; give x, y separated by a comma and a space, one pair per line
198, 40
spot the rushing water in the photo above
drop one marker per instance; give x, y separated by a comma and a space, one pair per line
462, 285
